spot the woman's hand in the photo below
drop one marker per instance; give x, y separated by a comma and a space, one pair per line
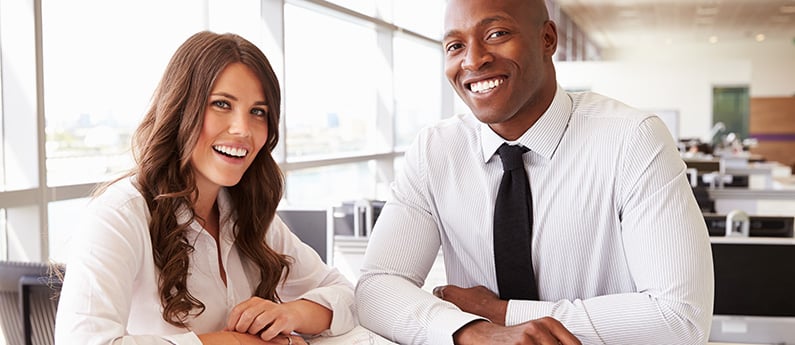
235, 338
268, 319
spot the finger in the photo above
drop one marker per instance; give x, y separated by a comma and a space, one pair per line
439, 291
557, 330
565, 337
278, 327
284, 340
248, 313
537, 333
262, 322
237, 312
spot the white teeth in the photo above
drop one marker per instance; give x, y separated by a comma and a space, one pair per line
483, 86
231, 151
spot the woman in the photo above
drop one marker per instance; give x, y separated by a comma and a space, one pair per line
186, 249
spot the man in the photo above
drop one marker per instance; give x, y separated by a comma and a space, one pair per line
615, 251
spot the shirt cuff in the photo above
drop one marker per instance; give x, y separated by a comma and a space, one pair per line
446, 323
340, 301
189, 338
520, 311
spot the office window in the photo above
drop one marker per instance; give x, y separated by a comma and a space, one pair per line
3, 236
366, 7
99, 74
331, 84
418, 87
2, 144
329, 185
424, 17
356, 91
62, 222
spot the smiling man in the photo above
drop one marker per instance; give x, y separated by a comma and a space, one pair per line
564, 218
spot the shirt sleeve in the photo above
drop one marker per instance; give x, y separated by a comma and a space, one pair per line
105, 254
667, 250
400, 253
311, 279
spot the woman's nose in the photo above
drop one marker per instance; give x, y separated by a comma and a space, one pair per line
239, 124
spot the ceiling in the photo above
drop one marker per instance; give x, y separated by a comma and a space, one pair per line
620, 23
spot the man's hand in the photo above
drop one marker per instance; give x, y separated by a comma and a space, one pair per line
543, 331
476, 300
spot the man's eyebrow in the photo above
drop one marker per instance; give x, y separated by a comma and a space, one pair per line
483, 22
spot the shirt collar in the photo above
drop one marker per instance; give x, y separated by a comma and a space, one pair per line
225, 220
543, 137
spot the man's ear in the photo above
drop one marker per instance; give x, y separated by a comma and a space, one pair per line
550, 38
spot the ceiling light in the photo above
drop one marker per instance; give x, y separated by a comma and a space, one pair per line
760, 37
713, 39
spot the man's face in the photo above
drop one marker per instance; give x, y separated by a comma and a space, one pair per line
495, 52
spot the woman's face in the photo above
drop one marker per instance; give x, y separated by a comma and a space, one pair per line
235, 129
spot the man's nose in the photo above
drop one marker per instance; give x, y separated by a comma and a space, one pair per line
476, 57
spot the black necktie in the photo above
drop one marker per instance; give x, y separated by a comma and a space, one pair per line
513, 225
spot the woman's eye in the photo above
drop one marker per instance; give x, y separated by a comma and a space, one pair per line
221, 104
259, 112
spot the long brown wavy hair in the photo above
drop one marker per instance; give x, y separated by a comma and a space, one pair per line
170, 128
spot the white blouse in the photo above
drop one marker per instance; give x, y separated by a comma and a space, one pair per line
110, 292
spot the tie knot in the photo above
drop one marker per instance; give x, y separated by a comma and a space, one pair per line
511, 156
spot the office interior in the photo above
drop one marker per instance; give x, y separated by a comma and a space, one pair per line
359, 78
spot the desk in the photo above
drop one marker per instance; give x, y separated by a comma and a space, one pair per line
363, 336
357, 336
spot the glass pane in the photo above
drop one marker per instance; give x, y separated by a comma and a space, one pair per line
3, 236
730, 105
418, 87
2, 147
362, 6
331, 77
101, 66
327, 186
398, 165
61, 224
425, 17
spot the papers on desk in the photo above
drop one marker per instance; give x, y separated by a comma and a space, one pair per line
357, 336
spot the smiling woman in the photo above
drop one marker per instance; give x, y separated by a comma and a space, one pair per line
189, 250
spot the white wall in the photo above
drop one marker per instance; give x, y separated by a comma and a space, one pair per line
682, 77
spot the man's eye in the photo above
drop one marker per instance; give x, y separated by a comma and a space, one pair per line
498, 34
454, 46
221, 104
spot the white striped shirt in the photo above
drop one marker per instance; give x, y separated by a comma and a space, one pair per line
620, 249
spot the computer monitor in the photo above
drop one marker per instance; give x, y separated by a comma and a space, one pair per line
754, 290
28, 301
310, 225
